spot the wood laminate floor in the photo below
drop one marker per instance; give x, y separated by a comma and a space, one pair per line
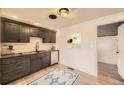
109, 70
83, 79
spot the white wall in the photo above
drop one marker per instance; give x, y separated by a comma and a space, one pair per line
106, 49
85, 58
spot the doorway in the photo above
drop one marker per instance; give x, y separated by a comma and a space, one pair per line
107, 50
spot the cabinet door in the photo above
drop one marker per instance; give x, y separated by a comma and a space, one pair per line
17, 63
14, 68
53, 37
24, 33
45, 60
50, 37
34, 32
47, 37
42, 33
35, 63
11, 32
6, 78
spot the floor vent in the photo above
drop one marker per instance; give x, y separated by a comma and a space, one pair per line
71, 68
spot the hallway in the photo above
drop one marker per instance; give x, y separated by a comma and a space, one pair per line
109, 70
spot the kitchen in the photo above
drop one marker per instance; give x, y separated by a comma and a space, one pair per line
76, 46
21, 49
53, 46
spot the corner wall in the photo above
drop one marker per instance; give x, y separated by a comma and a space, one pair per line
85, 58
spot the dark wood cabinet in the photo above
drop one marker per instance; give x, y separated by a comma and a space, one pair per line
35, 63
11, 32
108, 29
14, 68
49, 37
24, 34
42, 33
53, 37
14, 31
45, 58
15, 63
39, 61
6, 78
46, 38
34, 32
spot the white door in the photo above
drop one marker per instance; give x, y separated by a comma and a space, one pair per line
121, 50
107, 47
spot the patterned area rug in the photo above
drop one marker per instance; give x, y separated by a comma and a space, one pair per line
60, 76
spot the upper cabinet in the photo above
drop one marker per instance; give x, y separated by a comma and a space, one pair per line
46, 38
42, 32
11, 32
19, 32
49, 37
15, 32
34, 32
24, 33
108, 29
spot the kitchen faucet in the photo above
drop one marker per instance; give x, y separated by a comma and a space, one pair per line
37, 47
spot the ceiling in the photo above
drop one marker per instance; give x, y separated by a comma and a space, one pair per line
39, 16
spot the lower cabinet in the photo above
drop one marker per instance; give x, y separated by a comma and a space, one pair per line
39, 61
14, 75
14, 68
45, 59
35, 63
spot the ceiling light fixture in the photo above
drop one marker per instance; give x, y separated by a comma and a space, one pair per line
52, 16
63, 12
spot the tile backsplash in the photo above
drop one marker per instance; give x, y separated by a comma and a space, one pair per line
26, 47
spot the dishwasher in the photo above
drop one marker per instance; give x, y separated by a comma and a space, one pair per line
54, 57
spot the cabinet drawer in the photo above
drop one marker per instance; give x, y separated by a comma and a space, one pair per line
17, 66
22, 58
9, 60
14, 75
15, 60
